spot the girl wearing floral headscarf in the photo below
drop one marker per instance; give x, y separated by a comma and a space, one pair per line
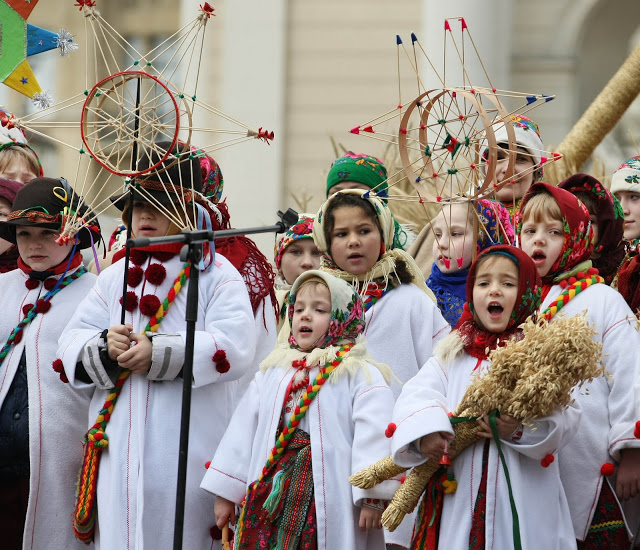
453, 248
607, 222
555, 232
358, 236
295, 252
503, 289
297, 494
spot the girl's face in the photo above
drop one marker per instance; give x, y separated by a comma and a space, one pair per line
148, 221
311, 315
630, 202
356, 242
300, 256
542, 242
511, 192
18, 170
495, 291
38, 247
454, 238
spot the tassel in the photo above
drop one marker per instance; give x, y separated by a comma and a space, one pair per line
65, 43
42, 100
278, 488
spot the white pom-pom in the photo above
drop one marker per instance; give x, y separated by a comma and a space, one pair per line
65, 42
42, 100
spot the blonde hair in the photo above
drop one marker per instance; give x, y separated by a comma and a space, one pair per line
540, 207
313, 282
10, 155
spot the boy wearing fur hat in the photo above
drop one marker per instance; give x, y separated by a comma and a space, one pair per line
42, 419
136, 481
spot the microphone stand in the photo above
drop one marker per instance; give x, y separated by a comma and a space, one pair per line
192, 251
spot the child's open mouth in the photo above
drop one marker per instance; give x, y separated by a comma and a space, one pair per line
495, 310
305, 329
538, 257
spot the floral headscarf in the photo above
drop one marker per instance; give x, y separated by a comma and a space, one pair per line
347, 314
610, 216
384, 268
479, 342
578, 235
627, 176
303, 229
212, 180
358, 168
495, 224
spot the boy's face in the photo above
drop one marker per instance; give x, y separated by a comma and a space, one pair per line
19, 170
542, 242
300, 256
630, 202
454, 238
495, 291
311, 315
38, 247
512, 192
148, 221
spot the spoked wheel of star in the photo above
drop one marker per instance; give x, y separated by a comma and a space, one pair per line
447, 143
132, 107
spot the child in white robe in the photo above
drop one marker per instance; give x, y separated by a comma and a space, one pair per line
137, 473
503, 289
42, 418
555, 231
301, 497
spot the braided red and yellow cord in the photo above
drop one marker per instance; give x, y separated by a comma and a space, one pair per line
298, 414
574, 286
96, 440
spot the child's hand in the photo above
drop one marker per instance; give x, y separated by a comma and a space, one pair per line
628, 479
137, 358
507, 426
225, 512
118, 340
370, 518
433, 445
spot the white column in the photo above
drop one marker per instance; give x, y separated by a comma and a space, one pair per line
488, 22
249, 84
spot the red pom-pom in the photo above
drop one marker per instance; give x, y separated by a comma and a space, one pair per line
219, 355
547, 460
32, 283
58, 366
63, 378
216, 533
155, 274
132, 301
391, 428
149, 305
134, 276
207, 464
42, 306
26, 308
636, 433
18, 337
223, 366
607, 469
50, 283
564, 284
138, 257
403, 479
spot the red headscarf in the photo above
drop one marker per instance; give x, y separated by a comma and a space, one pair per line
578, 235
610, 217
479, 342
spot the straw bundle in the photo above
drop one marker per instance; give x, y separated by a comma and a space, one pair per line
528, 379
